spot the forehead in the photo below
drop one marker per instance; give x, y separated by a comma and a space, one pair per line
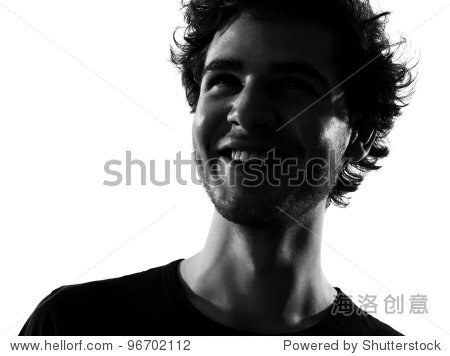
258, 44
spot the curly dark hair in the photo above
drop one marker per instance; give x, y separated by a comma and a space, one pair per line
378, 84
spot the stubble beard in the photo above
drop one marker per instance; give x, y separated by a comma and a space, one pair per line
271, 210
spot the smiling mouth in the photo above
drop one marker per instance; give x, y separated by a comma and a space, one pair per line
242, 156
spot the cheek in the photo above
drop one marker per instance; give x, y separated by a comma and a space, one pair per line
197, 131
335, 136
209, 125
325, 134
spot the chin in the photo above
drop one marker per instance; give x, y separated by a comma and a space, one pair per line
259, 209
263, 206
247, 215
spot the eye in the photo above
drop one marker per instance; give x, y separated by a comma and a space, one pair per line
224, 80
293, 83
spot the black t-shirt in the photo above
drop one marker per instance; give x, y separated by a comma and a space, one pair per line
153, 302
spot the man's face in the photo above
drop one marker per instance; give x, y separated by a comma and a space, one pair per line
258, 76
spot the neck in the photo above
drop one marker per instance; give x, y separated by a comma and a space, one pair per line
264, 280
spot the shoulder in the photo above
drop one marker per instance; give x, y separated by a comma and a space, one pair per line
43, 319
90, 308
357, 322
364, 324
108, 291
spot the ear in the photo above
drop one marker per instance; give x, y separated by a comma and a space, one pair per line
360, 144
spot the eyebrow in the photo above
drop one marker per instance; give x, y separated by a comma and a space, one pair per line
223, 64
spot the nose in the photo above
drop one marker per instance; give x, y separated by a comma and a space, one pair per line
252, 110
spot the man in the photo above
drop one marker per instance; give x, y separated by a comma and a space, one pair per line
312, 84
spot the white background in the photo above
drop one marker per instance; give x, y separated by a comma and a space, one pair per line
83, 81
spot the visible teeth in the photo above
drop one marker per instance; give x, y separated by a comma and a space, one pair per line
235, 155
244, 156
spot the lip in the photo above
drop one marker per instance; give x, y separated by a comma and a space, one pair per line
229, 144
